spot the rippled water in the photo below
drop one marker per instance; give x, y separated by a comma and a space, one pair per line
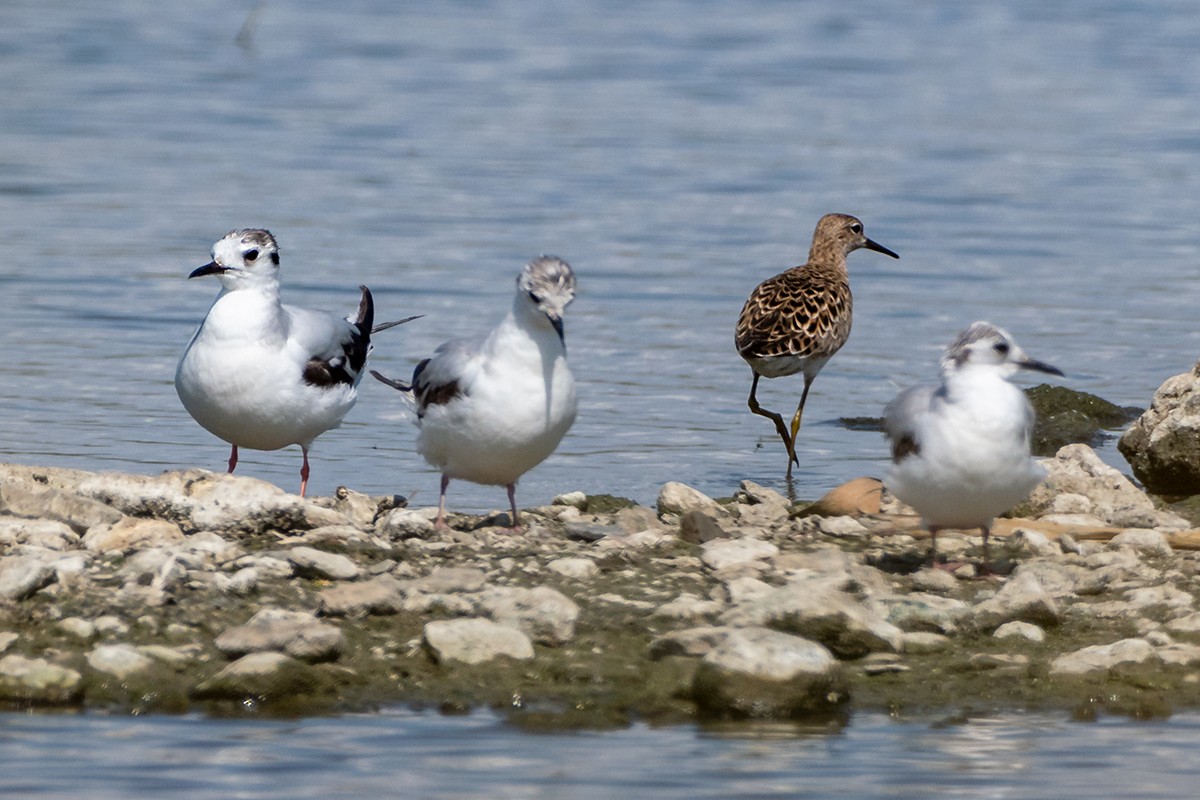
1034, 164
403, 754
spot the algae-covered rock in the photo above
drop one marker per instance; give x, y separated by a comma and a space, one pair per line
758, 673
1066, 416
38, 681
264, 677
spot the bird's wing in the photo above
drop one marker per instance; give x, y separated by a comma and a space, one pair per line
800, 312
901, 416
447, 374
333, 349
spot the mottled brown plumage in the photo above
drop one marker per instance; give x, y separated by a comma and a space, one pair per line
795, 321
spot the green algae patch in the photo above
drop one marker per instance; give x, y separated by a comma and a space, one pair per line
1066, 416
606, 504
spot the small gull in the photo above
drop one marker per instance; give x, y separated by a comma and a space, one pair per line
264, 375
795, 321
960, 450
491, 409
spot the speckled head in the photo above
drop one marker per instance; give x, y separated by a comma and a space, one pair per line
983, 344
547, 284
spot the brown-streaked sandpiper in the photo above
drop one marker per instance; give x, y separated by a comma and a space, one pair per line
795, 321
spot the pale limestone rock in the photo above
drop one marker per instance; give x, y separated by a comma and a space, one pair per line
297, 633
132, 533
762, 673
1102, 657
677, 498
475, 641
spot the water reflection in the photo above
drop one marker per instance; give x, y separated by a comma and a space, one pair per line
428, 756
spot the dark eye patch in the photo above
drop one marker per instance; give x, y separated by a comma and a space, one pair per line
250, 255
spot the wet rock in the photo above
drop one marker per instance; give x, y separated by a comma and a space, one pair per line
157, 564
79, 513
688, 606
1188, 625
573, 499
312, 563
677, 498
1163, 445
475, 641
1103, 657
937, 581
688, 642
38, 681
265, 677
838, 527
1028, 542
1066, 416
22, 576
47, 533
755, 494
636, 519
297, 633
762, 673
1000, 663
580, 569
826, 615
78, 627
923, 643
129, 534
1021, 599
746, 589
380, 596
696, 527
1020, 630
122, 661
918, 611
1076, 471
1141, 540
199, 500
243, 582
546, 615
721, 554
406, 523
446, 580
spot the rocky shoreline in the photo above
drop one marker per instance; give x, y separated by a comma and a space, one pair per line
196, 591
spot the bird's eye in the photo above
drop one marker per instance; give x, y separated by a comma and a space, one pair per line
250, 255
275, 259
855, 228
535, 297
1001, 348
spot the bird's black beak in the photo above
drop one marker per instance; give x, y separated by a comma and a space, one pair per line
211, 268
878, 248
557, 322
1040, 366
